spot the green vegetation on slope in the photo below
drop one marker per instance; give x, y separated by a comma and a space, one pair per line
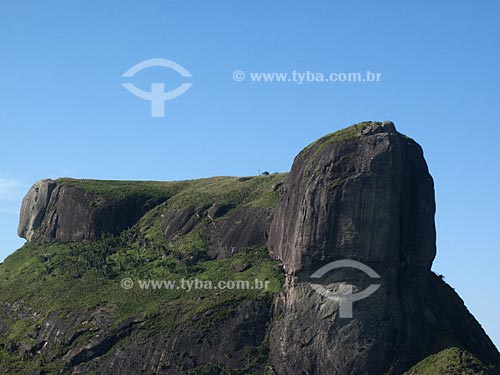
56, 277
230, 189
343, 135
69, 277
253, 191
115, 189
452, 361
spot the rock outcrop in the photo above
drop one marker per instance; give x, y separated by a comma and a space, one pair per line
136, 346
363, 194
54, 211
34, 208
226, 231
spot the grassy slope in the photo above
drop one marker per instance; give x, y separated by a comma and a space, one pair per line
346, 134
255, 190
452, 361
83, 276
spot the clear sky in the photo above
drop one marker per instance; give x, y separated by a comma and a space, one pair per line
64, 111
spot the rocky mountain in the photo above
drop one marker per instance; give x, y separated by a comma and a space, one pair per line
77, 298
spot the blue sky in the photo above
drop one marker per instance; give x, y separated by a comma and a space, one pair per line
64, 111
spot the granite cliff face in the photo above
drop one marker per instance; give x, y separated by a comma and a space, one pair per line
369, 200
52, 211
363, 193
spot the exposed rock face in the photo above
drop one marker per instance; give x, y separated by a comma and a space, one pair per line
244, 227
190, 348
126, 348
56, 212
234, 230
369, 199
34, 207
